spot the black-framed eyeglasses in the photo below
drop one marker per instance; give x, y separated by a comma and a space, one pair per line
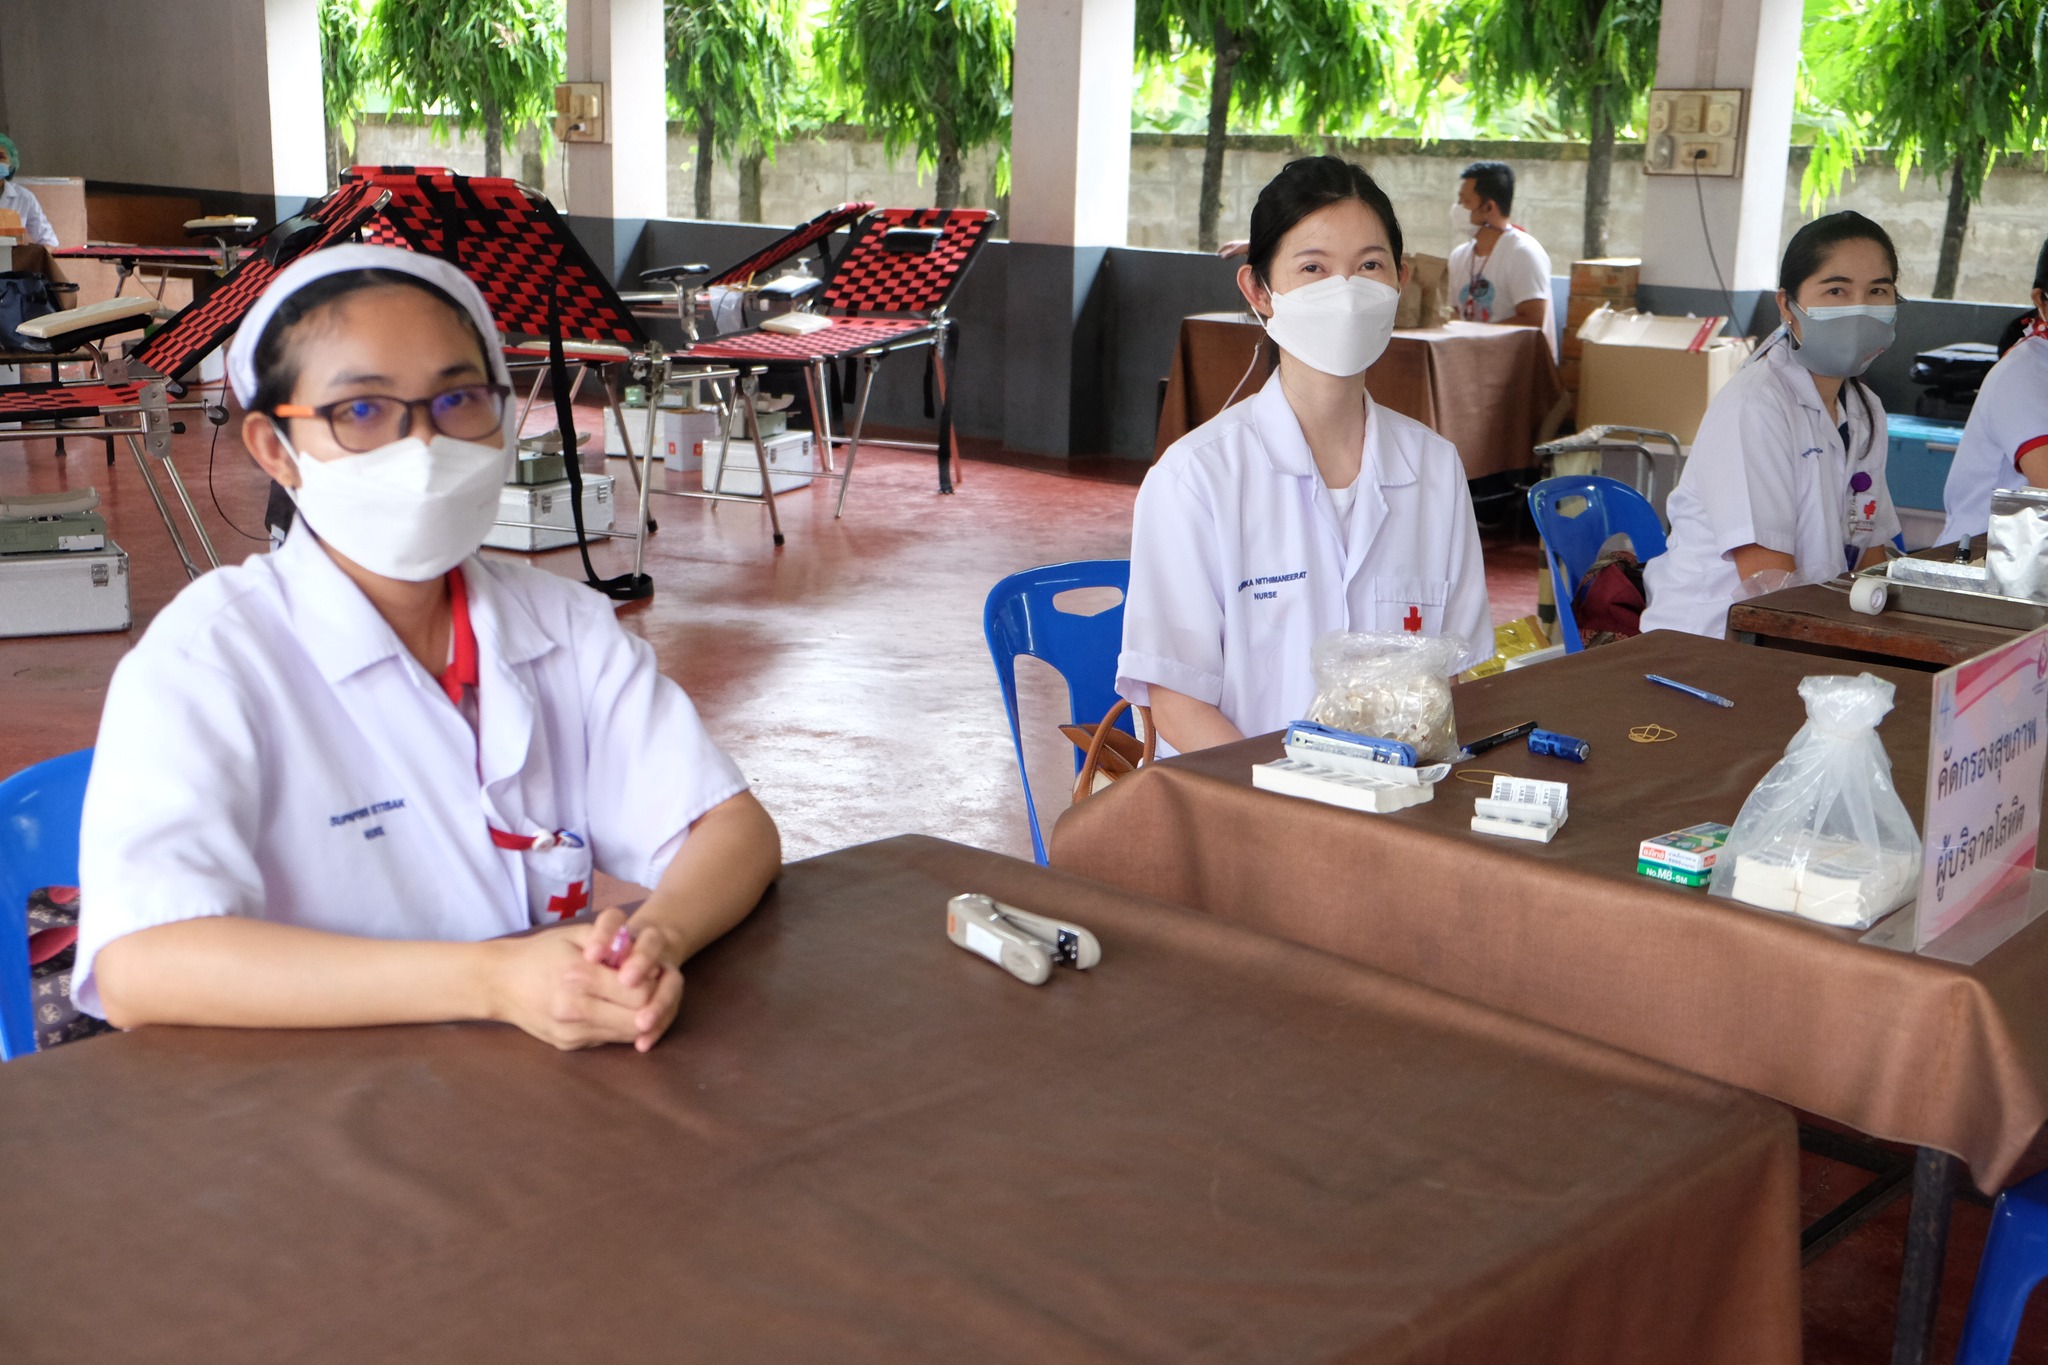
468, 412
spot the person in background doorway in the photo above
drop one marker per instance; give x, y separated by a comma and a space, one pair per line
35, 225
2005, 442
1786, 483
1307, 508
1499, 273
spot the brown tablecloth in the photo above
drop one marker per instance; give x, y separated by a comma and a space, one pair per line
1817, 618
1903, 1047
1485, 387
862, 1144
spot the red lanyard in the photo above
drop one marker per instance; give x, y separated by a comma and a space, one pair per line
2037, 326
460, 675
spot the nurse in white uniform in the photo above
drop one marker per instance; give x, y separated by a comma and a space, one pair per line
328, 780
1308, 508
1786, 483
2005, 442
35, 224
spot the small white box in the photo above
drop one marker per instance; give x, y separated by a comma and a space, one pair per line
681, 430
547, 505
792, 462
67, 593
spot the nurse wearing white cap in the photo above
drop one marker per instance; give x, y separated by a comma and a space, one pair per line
329, 779
1308, 508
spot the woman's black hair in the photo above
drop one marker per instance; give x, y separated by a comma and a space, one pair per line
1812, 243
277, 369
1302, 187
2041, 266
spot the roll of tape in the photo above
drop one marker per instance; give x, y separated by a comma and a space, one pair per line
1868, 595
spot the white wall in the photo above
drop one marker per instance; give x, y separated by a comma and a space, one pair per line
201, 94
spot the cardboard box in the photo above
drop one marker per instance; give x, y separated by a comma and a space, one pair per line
792, 461
547, 505
1644, 370
1610, 277
74, 592
1568, 373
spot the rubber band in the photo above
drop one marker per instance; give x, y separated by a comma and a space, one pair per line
1481, 776
1652, 734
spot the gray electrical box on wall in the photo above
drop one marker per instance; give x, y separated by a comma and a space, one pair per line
1694, 132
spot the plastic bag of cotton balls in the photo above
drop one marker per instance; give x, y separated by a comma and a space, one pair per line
1390, 686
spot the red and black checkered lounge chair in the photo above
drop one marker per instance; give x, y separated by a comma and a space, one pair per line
887, 293
687, 283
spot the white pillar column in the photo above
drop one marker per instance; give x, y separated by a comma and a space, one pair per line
298, 124
618, 43
1070, 187
1070, 144
1752, 45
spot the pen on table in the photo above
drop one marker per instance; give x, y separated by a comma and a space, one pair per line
1499, 737
1688, 689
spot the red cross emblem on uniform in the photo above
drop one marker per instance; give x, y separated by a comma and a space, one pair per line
1413, 620
569, 902
1870, 509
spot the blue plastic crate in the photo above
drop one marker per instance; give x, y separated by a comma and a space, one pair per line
1916, 468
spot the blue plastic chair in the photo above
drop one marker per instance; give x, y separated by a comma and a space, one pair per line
1020, 618
2015, 1260
39, 811
1572, 538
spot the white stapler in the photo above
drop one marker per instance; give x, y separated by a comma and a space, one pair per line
1022, 944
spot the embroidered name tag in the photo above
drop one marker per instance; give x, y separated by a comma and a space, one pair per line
1268, 584
363, 814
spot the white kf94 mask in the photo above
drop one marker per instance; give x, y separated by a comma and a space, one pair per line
411, 510
1338, 325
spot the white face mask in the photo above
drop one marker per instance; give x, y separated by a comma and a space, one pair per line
1338, 325
411, 510
1461, 220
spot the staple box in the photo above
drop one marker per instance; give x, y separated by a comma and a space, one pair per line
1643, 370
1663, 873
791, 464
547, 506
1691, 850
74, 592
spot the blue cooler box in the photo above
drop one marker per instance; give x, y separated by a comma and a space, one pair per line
1921, 451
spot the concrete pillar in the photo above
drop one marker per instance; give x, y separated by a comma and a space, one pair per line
298, 123
1751, 45
1070, 174
623, 180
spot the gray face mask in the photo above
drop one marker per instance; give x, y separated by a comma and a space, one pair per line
1841, 342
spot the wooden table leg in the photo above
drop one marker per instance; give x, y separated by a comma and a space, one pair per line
1934, 1179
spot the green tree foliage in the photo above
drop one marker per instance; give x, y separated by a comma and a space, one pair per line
488, 64
732, 67
1325, 60
1591, 60
1946, 84
929, 74
345, 68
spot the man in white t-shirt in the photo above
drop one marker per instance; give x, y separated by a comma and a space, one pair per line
1500, 273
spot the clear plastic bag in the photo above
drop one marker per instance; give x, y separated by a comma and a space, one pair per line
1391, 687
1825, 835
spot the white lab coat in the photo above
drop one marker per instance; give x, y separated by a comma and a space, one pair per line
269, 749
35, 224
1238, 563
2009, 418
1769, 468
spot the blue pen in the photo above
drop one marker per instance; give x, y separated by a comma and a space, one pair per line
1688, 689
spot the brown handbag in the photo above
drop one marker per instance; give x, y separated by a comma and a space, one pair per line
1109, 754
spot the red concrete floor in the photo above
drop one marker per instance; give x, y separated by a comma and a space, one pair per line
848, 677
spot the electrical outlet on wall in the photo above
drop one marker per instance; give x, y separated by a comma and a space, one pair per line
579, 111
1694, 132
